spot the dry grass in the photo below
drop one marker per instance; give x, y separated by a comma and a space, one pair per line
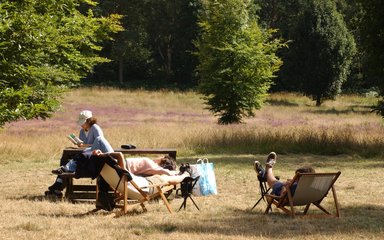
29, 150
288, 124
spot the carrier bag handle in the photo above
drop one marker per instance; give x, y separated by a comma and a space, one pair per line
202, 160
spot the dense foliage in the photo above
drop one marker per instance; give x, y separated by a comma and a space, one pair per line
45, 46
237, 60
372, 45
155, 49
321, 52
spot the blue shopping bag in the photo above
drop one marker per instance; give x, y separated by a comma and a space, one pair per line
206, 184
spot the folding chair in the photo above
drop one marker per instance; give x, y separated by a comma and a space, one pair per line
129, 192
186, 187
311, 188
263, 190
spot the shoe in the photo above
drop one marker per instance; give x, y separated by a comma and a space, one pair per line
59, 171
54, 193
56, 186
271, 159
259, 170
185, 167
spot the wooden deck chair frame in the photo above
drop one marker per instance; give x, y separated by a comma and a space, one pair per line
129, 198
311, 188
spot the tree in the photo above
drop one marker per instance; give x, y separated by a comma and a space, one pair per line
321, 51
45, 47
236, 59
172, 26
352, 12
129, 50
156, 46
281, 15
372, 44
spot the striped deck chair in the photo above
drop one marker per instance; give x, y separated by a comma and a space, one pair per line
130, 194
311, 188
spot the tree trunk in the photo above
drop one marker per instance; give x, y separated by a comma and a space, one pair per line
121, 72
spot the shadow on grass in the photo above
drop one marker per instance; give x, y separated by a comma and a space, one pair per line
38, 198
366, 111
360, 219
281, 103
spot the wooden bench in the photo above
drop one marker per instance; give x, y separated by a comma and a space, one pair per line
87, 192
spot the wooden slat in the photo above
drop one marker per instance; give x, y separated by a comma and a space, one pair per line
84, 188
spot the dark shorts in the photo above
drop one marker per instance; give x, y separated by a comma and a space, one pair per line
278, 186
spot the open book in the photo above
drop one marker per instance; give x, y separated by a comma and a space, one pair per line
75, 140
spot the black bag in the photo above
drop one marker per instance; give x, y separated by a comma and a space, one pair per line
105, 201
88, 166
128, 146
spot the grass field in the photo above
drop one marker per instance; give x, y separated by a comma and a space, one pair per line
340, 136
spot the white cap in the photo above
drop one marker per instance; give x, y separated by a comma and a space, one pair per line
84, 115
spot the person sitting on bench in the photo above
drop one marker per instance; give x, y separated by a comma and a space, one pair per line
100, 143
93, 138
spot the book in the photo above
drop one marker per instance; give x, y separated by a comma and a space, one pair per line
75, 140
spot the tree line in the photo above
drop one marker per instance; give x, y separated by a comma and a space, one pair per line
232, 51
331, 46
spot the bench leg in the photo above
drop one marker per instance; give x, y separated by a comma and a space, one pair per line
69, 188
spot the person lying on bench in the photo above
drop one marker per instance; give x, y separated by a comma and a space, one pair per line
278, 187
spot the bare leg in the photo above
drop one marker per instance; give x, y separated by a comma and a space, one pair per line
175, 179
120, 159
271, 179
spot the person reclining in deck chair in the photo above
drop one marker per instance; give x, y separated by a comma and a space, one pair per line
159, 174
278, 187
144, 166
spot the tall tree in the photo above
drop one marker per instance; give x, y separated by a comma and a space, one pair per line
321, 51
172, 26
237, 59
129, 51
156, 46
281, 15
45, 46
353, 13
372, 43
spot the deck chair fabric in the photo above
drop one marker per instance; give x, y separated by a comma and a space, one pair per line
311, 189
128, 188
